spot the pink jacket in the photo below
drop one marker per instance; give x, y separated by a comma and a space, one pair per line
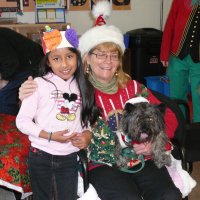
50, 112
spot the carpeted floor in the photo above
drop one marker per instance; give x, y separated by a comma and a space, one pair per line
195, 194
6, 195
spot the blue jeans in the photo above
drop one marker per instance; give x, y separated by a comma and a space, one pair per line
9, 94
53, 175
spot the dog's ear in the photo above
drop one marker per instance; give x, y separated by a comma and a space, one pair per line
128, 107
162, 107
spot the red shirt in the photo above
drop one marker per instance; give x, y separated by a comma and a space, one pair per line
176, 28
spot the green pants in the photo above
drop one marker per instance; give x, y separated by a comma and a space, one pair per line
181, 73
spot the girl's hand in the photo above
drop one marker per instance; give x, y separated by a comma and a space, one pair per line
143, 148
59, 136
27, 88
82, 141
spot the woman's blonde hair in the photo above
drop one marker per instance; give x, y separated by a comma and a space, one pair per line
122, 77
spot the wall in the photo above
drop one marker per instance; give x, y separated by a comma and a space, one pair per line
144, 13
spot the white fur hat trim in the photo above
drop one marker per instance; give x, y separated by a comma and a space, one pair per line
137, 100
98, 35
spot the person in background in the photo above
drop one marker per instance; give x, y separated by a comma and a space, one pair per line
19, 58
57, 117
180, 51
102, 50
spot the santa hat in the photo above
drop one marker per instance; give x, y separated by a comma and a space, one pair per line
101, 32
54, 39
136, 100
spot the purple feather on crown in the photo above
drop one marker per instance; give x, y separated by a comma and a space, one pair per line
72, 37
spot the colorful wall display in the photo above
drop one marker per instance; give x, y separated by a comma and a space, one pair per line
50, 11
16, 5
121, 4
10, 5
78, 5
70, 5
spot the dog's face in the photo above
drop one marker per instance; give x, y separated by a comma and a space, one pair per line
142, 122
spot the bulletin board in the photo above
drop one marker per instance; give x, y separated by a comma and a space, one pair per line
78, 5
51, 15
121, 4
28, 5
50, 3
16, 5
71, 5
10, 5
50, 11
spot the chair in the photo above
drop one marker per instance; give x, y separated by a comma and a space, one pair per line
192, 138
178, 141
180, 133
84, 166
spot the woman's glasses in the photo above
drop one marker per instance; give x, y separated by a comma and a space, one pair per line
104, 56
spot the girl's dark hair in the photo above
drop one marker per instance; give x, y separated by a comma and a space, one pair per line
89, 111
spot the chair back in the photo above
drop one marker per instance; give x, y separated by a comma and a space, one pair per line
178, 141
179, 135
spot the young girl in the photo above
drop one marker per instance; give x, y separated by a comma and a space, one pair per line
57, 117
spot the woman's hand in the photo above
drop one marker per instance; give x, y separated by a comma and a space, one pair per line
82, 140
143, 148
3, 83
27, 88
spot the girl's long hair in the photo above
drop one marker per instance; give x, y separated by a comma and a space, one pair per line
89, 111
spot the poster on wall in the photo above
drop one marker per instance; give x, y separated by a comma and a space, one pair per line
25, 3
50, 3
51, 15
121, 4
78, 5
10, 6
14, 5
29, 5
50, 11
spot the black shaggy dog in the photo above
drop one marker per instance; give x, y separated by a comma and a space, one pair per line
143, 122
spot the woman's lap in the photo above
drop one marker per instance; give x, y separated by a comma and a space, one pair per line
112, 184
156, 184
151, 183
